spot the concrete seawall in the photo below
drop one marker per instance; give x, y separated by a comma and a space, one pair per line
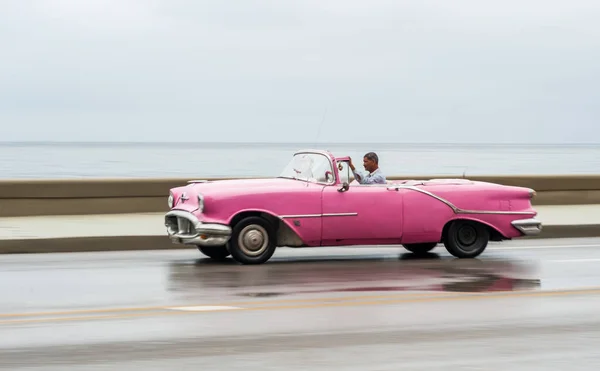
113, 196
146, 231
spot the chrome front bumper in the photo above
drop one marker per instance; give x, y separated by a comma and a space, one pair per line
529, 227
184, 228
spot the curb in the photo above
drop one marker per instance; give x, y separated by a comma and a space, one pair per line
568, 231
159, 242
86, 244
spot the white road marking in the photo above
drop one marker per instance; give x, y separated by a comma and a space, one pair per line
574, 260
525, 247
204, 308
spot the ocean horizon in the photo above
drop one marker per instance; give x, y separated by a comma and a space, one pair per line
127, 159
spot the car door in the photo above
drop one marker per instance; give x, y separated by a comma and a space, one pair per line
366, 214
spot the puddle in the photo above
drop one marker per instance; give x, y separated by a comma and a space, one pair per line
262, 294
273, 280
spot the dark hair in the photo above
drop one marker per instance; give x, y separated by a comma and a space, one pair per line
373, 157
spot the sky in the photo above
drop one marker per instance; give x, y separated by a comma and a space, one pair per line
466, 71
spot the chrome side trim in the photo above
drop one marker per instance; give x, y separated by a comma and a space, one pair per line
529, 227
461, 211
299, 216
456, 209
340, 214
395, 188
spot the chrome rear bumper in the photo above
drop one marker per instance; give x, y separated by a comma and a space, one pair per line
184, 228
529, 227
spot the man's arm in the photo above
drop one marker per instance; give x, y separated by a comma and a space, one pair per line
358, 176
376, 178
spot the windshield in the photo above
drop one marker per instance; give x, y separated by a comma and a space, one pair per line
310, 167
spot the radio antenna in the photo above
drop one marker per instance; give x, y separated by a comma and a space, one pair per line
320, 126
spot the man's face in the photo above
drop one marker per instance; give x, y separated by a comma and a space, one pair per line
368, 164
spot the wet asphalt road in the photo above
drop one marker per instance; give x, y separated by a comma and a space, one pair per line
526, 305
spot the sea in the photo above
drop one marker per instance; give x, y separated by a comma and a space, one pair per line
52, 160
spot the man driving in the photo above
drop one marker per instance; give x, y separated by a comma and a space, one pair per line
371, 164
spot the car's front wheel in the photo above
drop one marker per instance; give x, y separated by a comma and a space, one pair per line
215, 252
466, 239
252, 241
420, 248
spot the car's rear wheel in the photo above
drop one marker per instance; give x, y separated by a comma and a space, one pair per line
252, 241
215, 252
466, 239
420, 248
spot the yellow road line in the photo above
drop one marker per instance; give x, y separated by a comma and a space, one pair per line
240, 303
390, 300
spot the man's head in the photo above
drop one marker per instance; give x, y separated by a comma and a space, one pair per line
371, 162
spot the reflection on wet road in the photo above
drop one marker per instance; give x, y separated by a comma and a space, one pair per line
303, 310
406, 273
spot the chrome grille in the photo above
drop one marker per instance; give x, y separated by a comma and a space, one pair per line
184, 226
180, 226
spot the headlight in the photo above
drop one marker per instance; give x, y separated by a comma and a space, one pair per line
170, 201
200, 202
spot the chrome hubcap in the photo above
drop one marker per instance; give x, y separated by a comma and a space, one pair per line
253, 240
467, 235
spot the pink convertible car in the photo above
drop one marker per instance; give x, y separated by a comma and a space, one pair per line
314, 202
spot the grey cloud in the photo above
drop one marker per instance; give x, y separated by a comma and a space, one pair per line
266, 70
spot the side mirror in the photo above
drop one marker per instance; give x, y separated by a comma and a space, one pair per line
344, 188
328, 177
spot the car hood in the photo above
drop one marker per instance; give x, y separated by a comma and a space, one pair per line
234, 192
240, 186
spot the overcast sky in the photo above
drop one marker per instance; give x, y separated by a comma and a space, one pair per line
252, 70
